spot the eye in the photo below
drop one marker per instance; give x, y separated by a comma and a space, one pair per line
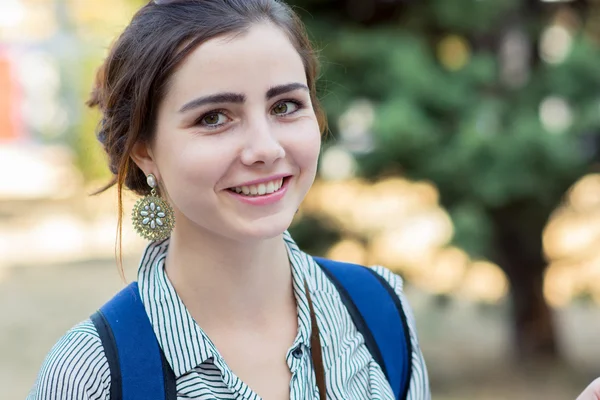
213, 119
286, 107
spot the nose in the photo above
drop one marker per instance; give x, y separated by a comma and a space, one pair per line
262, 146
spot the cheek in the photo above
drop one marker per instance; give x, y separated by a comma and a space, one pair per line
304, 145
187, 163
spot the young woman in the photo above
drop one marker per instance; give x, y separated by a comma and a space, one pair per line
210, 112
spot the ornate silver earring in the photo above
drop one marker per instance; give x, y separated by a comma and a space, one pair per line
153, 217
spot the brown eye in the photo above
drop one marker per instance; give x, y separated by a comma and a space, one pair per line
280, 108
285, 108
211, 119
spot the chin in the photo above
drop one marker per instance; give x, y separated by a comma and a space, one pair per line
264, 228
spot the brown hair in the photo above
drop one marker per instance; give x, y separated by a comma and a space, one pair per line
134, 78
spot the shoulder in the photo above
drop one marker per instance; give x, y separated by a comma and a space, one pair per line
75, 368
419, 383
393, 279
419, 380
396, 282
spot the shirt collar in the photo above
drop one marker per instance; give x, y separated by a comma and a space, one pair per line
304, 267
183, 342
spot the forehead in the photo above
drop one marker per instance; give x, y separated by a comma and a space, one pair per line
249, 63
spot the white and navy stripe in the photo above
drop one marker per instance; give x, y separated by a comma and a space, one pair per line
77, 368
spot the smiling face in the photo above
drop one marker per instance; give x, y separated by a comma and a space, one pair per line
237, 139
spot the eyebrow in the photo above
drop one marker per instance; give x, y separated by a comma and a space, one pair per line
218, 98
281, 89
239, 98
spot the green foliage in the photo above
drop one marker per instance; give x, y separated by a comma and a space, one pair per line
469, 16
479, 140
91, 158
314, 235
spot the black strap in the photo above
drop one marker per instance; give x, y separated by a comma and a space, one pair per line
168, 378
398, 304
110, 350
316, 351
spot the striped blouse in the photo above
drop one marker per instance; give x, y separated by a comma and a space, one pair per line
76, 368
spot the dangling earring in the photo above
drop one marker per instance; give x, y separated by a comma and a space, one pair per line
153, 218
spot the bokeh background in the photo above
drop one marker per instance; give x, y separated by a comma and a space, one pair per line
463, 153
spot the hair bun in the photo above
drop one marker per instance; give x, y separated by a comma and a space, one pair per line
101, 132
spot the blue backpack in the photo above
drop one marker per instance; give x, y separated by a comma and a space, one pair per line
139, 370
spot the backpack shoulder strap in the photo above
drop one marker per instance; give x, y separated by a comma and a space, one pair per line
138, 368
378, 315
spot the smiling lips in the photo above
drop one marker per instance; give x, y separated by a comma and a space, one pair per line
259, 189
262, 193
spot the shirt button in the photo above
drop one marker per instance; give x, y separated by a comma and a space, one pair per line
297, 353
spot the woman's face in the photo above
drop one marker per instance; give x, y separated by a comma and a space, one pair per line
237, 139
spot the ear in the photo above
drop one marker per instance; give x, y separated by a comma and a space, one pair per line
142, 156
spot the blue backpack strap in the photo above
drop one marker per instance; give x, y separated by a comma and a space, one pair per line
138, 368
378, 315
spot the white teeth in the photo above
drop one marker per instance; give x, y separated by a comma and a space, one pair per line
260, 189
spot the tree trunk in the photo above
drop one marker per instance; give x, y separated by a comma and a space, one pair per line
518, 249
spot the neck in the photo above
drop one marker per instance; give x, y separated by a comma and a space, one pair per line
223, 281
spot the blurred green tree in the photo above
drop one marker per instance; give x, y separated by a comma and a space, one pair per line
495, 102
92, 26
